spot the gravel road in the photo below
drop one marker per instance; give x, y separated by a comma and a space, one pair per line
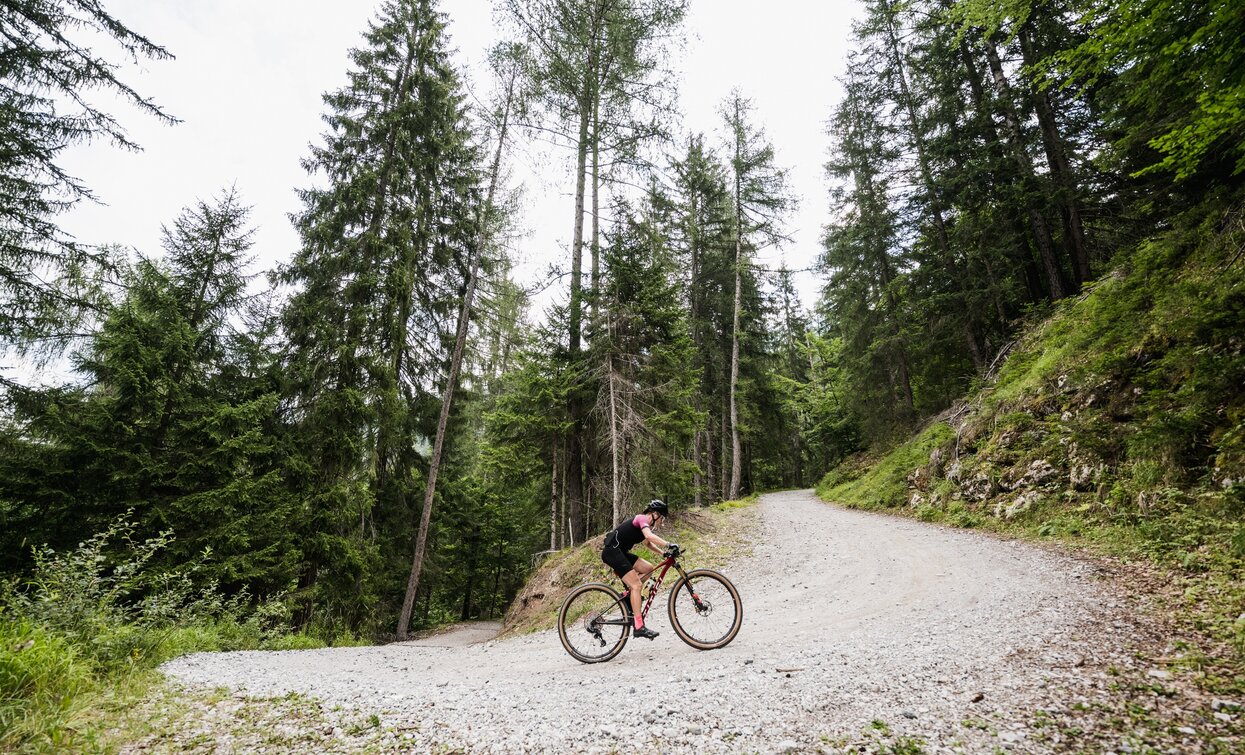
879, 625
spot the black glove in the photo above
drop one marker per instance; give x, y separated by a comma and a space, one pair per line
672, 549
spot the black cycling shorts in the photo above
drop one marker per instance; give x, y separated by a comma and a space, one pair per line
619, 560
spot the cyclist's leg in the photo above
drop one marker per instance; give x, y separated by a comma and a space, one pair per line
643, 568
633, 582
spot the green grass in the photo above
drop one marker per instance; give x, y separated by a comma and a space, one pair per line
885, 484
77, 650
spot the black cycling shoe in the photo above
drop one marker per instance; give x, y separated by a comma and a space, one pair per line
646, 633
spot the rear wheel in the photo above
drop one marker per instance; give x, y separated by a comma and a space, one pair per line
705, 609
594, 623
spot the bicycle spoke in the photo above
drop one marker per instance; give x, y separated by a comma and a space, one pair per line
706, 610
593, 624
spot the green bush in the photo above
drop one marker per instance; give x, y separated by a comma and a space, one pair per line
89, 619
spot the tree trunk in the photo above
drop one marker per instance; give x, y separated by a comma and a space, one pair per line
553, 501
736, 455
469, 588
1041, 232
1060, 168
596, 212
614, 445
1023, 254
697, 479
931, 192
451, 379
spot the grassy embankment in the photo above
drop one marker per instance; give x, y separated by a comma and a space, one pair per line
1117, 425
709, 538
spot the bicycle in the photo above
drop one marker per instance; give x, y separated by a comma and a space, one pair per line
595, 621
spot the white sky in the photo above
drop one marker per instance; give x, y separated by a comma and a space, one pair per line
249, 74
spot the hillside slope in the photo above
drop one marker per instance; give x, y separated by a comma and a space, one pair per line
1117, 423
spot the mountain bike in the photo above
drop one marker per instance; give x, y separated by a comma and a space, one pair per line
595, 621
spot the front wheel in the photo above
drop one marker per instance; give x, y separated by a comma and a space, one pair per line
705, 609
594, 623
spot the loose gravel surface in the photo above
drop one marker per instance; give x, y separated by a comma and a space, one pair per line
860, 630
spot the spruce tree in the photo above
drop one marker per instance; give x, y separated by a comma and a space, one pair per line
175, 423
593, 64
47, 79
759, 194
385, 246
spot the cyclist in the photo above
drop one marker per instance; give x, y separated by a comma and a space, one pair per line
628, 566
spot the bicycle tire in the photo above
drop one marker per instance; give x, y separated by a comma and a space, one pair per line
580, 623
694, 602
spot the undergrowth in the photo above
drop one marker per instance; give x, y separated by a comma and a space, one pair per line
81, 638
1117, 425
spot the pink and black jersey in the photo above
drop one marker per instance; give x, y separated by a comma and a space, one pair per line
629, 534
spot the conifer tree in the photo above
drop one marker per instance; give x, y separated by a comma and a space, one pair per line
864, 294
175, 425
47, 79
759, 193
384, 244
646, 376
702, 237
593, 62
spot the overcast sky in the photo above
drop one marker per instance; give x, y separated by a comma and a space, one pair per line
248, 77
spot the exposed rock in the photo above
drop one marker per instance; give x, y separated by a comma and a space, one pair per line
979, 488
919, 478
1084, 476
954, 471
1019, 504
917, 499
936, 461
1038, 472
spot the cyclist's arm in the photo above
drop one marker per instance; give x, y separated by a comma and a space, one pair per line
654, 543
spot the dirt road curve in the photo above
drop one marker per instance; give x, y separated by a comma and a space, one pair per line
948, 635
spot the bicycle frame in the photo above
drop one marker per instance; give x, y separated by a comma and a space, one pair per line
625, 599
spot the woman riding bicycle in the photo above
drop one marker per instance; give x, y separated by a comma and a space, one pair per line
628, 566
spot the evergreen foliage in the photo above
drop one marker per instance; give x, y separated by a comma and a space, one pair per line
47, 76
385, 244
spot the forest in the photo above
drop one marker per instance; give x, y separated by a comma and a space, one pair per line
384, 434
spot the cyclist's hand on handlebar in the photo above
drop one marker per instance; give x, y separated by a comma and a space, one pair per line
672, 549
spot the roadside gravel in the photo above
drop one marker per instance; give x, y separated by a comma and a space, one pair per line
860, 631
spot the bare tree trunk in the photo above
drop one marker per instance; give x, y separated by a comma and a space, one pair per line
1041, 232
553, 502
724, 448
614, 450
566, 514
736, 455
596, 211
697, 478
1060, 169
574, 452
711, 461
451, 379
